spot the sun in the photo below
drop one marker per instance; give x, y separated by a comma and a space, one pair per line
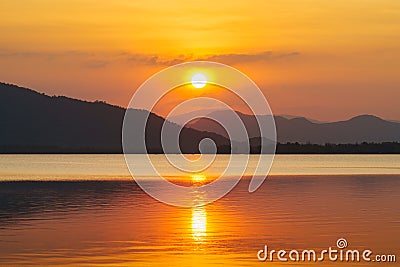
199, 80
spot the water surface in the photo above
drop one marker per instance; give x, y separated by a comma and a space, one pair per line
86, 210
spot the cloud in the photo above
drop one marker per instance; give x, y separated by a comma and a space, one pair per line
85, 58
100, 60
156, 60
222, 58
246, 58
43, 54
96, 63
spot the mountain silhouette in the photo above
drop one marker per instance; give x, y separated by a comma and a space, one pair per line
34, 122
363, 128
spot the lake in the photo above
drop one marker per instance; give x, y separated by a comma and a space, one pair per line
86, 210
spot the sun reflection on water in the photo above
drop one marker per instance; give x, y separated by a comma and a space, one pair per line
199, 213
198, 178
199, 224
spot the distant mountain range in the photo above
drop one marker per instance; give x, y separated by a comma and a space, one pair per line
32, 122
363, 128
182, 118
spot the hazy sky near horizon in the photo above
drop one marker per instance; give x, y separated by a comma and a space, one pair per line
326, 60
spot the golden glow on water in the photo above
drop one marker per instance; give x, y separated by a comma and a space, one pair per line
113, 167
198, 178
199, 224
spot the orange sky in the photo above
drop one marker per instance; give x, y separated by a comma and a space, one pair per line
326, 60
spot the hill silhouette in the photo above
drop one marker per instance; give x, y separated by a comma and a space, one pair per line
33, 122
